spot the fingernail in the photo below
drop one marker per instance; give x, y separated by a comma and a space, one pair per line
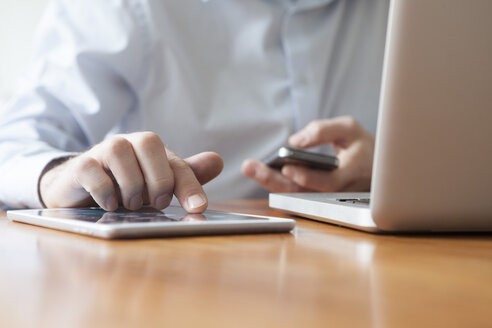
162, 201
298, 139
136, 202
196, 201
111, 204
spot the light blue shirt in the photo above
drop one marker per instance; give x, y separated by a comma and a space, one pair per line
233, 76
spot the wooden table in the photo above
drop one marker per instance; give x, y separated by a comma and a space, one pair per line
317, 276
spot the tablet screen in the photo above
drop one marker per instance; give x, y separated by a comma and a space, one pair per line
170, 214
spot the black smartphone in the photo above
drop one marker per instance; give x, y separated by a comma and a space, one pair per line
287, 155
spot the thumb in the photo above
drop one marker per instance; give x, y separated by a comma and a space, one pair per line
206, 166
338, 131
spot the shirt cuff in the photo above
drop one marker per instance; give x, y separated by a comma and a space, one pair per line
21, 186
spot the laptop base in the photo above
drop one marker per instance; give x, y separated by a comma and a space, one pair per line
328, 207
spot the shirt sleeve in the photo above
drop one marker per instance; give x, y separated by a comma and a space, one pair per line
86, 75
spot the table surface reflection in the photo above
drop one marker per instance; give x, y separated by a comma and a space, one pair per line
319, 275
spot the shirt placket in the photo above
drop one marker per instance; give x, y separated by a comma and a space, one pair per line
302, 102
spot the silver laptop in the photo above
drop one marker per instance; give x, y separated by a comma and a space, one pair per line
432, 169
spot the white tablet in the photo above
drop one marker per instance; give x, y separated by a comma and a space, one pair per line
149, 222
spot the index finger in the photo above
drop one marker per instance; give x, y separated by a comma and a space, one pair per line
268, 178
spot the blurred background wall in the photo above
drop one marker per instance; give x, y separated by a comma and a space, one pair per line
18, 21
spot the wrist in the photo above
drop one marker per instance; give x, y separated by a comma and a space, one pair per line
47, 176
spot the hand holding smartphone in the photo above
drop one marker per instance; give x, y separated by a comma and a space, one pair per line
288, 155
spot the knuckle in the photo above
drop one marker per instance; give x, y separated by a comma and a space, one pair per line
84, 164
118, 146
149, 139
350, 122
